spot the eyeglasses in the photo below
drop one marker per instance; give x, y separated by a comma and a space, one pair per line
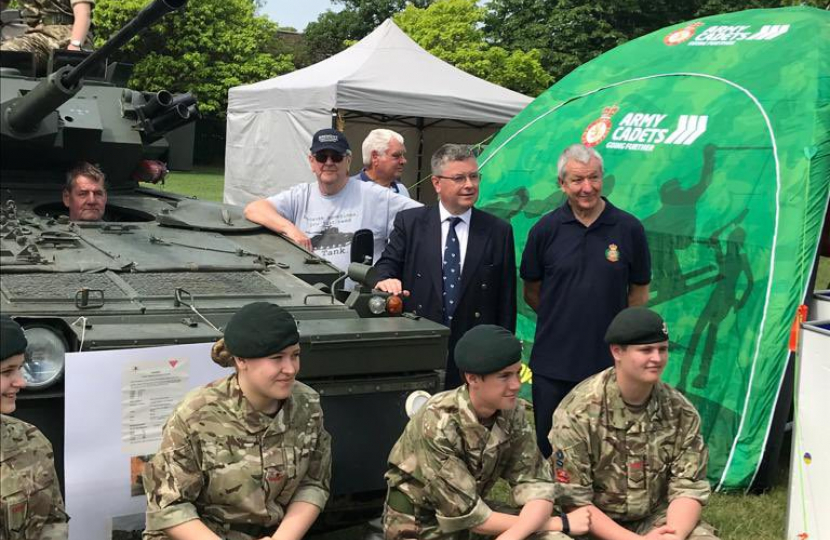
475, 177
323, 157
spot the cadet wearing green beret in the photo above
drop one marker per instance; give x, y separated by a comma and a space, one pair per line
455, 448
628, 446
247, 456
31, 506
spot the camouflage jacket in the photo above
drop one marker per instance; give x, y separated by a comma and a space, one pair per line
33, 11
226, 463
627, 464
31, 507
446, 461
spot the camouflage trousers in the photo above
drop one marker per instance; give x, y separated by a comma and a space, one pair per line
40, 40
400, 526
703, 531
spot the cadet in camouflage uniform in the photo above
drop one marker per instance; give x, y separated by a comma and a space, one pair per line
460, 443
31, 507
628, 446
246, 455
53, 24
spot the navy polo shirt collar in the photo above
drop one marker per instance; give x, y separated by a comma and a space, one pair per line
365, 177
608, 216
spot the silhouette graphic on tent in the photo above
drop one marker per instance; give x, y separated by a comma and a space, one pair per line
732, 262
671, 229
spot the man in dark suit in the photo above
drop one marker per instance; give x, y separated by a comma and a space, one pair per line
452, 263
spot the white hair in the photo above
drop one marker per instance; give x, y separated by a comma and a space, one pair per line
578, 152
378, 141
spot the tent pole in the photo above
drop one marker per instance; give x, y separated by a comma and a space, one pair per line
335, 114
419, 123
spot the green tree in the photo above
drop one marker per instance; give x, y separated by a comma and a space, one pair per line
207, 48
571, 32
452, 31
334, 31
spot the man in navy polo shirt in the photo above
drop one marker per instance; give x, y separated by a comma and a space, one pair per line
583, 263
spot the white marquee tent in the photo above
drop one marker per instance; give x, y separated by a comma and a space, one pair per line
385, 80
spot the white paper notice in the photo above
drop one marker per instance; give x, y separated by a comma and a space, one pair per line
115, 399
149, 391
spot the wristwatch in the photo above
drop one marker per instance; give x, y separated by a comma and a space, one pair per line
76, 43
566, 526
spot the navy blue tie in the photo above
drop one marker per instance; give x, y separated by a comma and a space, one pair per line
451, 268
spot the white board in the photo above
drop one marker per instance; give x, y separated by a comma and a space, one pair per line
820, 308
116, 402
809, 492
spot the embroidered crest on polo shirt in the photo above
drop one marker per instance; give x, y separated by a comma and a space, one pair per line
612, 253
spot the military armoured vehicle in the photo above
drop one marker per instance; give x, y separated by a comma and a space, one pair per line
163, 269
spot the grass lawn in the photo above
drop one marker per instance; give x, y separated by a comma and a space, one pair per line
749, 517
202, 183
737, 516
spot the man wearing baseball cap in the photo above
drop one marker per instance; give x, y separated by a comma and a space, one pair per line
628, 446
323, 216
455, 448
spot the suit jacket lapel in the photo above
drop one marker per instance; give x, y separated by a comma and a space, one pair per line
476, 243
432, 250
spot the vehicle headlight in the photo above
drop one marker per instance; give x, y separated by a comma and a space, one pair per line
377, 305
415, 401
45, 357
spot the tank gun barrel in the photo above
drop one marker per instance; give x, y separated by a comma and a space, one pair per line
27, 112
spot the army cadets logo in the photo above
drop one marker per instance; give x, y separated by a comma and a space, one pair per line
612, 253
684, 34
597, 130
720, 35
645, 131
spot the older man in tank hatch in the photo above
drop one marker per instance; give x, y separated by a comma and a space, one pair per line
85, 193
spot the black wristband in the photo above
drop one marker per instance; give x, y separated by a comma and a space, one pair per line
566, 526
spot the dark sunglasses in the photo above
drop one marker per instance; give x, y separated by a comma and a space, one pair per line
322, 157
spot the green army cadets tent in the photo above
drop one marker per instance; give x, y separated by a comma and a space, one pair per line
716, 134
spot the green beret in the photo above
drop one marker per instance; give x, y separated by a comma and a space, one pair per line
12, 339
259, 330
487, 348
637, 326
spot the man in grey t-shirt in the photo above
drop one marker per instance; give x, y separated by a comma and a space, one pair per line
322, 216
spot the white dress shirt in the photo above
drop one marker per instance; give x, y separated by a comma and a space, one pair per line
462, 230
